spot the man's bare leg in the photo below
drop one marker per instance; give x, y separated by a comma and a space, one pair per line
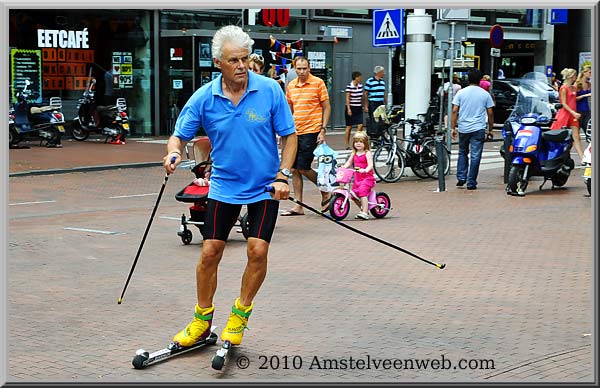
256, 269
206, 271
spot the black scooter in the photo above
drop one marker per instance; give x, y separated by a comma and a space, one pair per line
27, 120
111, 120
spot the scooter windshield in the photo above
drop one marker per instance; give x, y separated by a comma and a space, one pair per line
531, 99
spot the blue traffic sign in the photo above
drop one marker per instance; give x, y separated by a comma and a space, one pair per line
496, 36
388, 27
558, 16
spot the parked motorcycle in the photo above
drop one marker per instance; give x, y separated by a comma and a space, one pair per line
111, 121
586, 161
535, 150
26, 120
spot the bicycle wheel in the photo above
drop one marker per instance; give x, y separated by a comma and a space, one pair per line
388, 164
430, 157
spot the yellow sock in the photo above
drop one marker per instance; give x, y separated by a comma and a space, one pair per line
240, 306
204, 310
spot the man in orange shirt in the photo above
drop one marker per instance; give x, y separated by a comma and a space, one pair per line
309, 102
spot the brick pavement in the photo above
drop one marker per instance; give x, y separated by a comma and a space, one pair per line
520, 296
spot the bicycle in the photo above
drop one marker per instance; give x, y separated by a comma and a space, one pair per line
339, 206
419, 153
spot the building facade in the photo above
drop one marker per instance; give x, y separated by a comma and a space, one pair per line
157, 58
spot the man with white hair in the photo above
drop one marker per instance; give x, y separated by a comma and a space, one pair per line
241, 113
375, 95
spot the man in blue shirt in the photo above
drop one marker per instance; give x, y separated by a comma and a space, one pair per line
472, 113
242, 113
375, 95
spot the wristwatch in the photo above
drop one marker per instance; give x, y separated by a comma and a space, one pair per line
285, 172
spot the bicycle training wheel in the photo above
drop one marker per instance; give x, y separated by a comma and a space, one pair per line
388, 163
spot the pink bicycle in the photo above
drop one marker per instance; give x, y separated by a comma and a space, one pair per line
339, 206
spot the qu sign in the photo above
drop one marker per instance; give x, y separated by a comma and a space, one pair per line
269, 17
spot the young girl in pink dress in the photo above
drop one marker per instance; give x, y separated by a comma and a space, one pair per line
364, 179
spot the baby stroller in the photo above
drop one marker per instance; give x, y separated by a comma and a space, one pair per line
383, 119
198, 195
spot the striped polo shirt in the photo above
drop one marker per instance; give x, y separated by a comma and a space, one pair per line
355, 93
305, 102
375, 89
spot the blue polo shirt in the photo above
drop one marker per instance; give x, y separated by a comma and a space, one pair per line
375, 89
244, 147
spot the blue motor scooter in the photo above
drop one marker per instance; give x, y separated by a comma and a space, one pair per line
535, 150
44, 122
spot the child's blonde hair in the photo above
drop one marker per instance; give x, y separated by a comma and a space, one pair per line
362, 137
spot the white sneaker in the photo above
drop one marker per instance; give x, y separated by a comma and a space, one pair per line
362, 216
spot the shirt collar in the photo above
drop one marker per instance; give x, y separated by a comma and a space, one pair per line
217, 85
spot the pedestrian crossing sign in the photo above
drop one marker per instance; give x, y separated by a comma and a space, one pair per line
388, 27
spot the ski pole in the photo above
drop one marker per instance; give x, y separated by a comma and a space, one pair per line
438, 265
137, 256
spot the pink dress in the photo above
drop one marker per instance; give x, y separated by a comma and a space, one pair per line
363, 181
563, 117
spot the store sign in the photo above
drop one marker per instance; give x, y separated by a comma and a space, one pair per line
338, 31
176, 53
317, 59
63, 39
523, 46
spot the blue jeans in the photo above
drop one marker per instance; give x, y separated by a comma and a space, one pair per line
473, 142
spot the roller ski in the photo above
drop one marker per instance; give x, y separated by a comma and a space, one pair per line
196, 334
143, 359
232, 333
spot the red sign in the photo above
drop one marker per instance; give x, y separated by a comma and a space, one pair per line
275, 17
496, 36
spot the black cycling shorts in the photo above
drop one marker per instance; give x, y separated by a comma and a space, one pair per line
221, 217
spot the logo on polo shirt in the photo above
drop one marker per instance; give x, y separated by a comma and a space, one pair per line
252, 116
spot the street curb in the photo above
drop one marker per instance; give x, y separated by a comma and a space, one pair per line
84, 169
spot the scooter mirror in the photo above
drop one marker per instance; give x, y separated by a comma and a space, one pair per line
27, 82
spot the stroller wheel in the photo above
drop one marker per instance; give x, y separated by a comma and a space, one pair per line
245, 225
186, 237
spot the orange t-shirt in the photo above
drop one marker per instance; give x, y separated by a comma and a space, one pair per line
305, 102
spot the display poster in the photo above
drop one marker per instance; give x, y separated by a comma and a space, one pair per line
204, 77
122, 69
205, 56
26, 65
585, 59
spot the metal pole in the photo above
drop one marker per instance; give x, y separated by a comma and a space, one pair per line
450, 88
441, 95
390, 94
441, 162
439, 140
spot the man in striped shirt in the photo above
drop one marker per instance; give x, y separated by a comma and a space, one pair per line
354, 105
309, 102
375, 95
